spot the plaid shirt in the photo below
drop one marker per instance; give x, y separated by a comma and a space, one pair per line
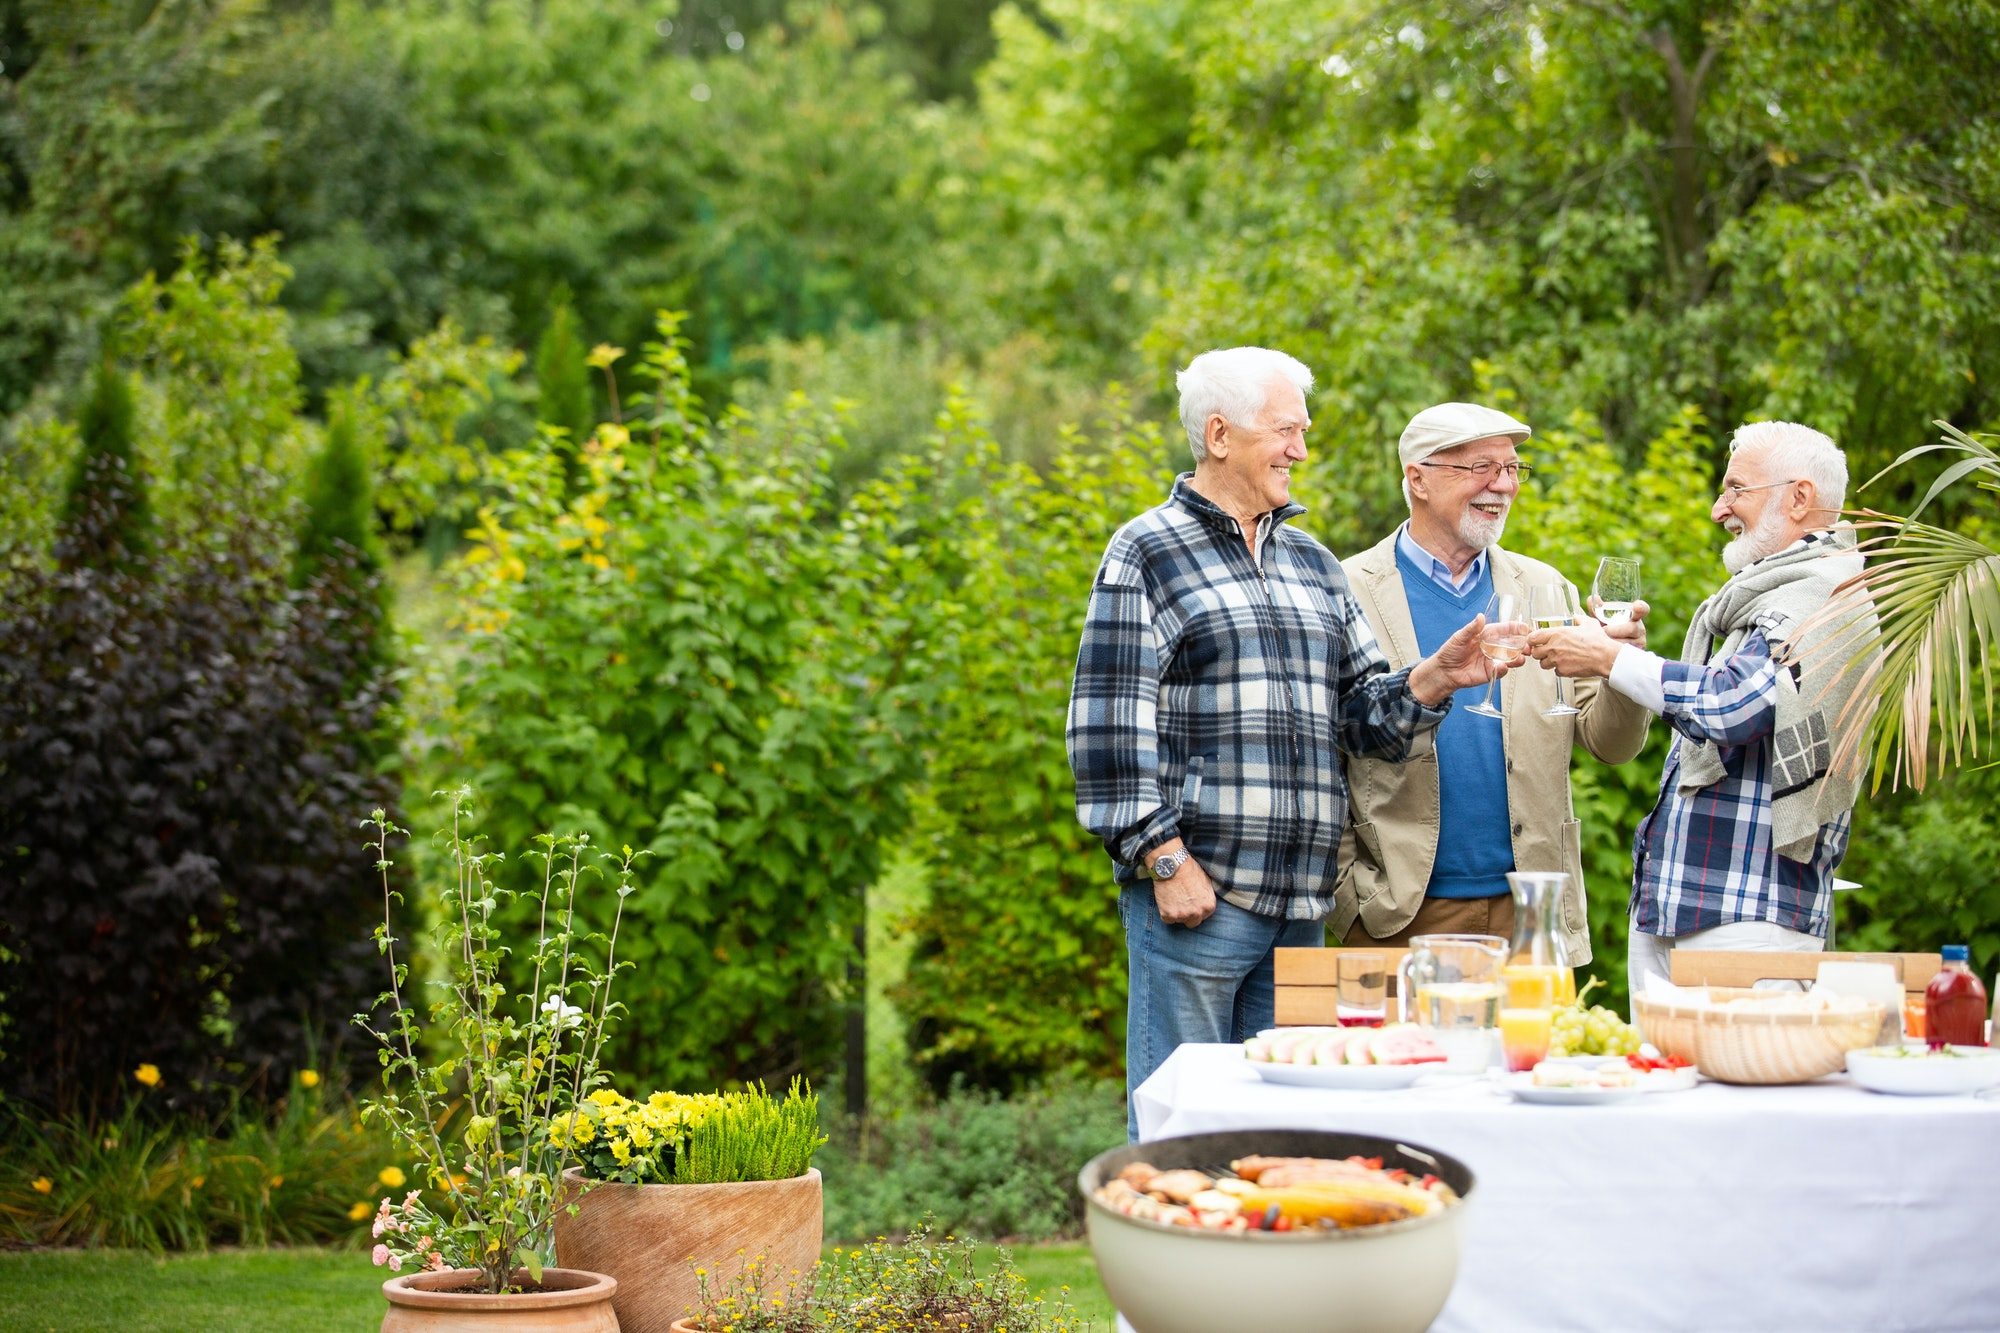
1704, 858
1213, 692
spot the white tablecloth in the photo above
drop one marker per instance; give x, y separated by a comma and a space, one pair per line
1815, 1207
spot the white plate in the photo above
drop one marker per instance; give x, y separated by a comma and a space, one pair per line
1343, 1076
1525, 1090
1585, 1061
1972, 1068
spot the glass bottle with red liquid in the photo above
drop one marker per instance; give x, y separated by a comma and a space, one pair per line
1954, 1003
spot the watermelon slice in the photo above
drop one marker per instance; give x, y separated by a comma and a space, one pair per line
1404, 1044
1359, 1050
1330, 1049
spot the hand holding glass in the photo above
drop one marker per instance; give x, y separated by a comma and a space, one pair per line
1553, 606
1615, 588
1504, 639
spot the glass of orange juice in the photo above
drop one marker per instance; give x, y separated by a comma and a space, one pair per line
1526, 1017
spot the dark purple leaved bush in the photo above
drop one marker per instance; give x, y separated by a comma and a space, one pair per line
186, 746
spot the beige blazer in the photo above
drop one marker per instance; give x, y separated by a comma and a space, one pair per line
1391, 839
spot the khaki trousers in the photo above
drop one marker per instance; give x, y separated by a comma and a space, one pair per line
1446, 916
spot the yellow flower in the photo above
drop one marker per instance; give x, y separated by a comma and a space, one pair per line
621, 1150
392, 1176
148, 1075
197, 1182
43, 1185
359, 1212
309, 1078
602, 355
277, 1181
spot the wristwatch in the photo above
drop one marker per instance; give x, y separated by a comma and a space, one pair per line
1168, 863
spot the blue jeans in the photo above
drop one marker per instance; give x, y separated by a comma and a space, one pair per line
1212, 982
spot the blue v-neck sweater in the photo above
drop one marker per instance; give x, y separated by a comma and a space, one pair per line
1474, 851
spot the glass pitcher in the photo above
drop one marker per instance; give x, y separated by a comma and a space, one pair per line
1452, 981
1538, 945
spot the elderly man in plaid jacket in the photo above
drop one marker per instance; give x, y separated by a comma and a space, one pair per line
1224, 667
1754, 812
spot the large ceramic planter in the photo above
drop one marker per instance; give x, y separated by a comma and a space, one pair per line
569, 1302
652, 1238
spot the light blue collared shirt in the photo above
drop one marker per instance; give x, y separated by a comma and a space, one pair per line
1439, 571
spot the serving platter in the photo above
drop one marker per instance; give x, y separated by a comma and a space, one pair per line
1903, 1072
1366, 1077
1525, 1090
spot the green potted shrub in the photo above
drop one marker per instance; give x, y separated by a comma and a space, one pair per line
925, 1283
472, 1096
676, 1183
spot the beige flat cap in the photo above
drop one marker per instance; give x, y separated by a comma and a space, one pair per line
1449, 425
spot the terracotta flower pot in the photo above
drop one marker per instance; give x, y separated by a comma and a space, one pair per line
569, 1301
652, 1238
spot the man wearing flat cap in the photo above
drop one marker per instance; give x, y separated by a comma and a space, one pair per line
1431, 841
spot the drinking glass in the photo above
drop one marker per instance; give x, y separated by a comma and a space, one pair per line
1361, 995
1615, 588
1527, 1017
1504, 638
1553, 606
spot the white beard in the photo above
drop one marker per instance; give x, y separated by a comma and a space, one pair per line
1477, 530
1748, 547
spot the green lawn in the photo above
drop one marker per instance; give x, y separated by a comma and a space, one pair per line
76, 1290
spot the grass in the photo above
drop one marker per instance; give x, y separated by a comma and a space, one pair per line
79, 1290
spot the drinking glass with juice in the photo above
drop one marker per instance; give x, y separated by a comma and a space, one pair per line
1527, 1016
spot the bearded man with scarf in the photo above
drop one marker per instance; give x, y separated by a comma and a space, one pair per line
1752, 818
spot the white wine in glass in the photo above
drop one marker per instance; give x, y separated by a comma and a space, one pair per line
1504, 638
1615, 588
1553, 606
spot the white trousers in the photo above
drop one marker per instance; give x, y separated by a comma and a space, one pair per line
1647, 955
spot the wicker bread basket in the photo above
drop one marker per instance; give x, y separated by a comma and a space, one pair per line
1756, 1046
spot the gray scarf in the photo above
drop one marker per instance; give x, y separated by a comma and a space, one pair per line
1778, 595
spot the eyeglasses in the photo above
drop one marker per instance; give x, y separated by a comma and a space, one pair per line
1486, 467
1732, 492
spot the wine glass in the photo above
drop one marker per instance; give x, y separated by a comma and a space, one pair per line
1553, 606
1615, 588
1504, 639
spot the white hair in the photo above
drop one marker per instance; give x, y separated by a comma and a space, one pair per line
1800, 453
1232, 381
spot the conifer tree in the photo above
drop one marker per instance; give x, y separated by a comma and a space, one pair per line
562, 378
340, 503
106, 473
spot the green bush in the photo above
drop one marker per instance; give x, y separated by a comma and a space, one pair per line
1022, 905
303, 1171
691, 648
979, 1164
1925, 866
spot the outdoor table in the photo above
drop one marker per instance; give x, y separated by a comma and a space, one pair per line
1817, 1206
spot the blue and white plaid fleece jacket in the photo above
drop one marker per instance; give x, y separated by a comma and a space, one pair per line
1214, 694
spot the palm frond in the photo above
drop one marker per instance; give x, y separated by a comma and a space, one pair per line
1928, 678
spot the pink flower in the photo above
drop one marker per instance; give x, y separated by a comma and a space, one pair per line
381, 1255
409, 1202
395, 1263
435, 1263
